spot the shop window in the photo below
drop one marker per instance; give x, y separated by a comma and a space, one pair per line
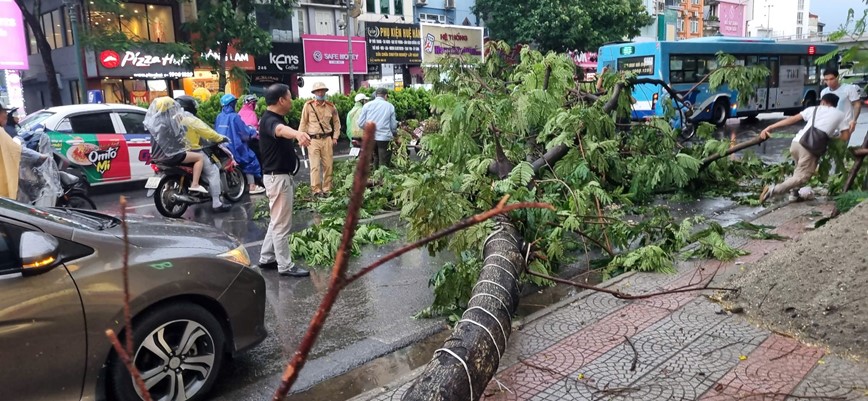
280, 28
138, 21
31, 42
371, 6
133, 122
74, 92
160, 25
68, 24
384, 6
92, 123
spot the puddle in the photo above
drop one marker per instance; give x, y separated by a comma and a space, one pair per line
376, 373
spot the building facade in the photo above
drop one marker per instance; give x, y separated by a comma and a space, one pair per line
786, 19
451, 12
689, 23
725, 18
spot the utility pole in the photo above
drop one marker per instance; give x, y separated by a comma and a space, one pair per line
349, 27
72, 6
768, 19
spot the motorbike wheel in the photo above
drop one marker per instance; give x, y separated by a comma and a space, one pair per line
79, 202
236, 185
169, 186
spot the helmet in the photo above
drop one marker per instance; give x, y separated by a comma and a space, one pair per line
250, 99
188, 103
227, 99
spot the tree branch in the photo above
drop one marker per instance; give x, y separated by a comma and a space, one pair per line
744, 145
621, 295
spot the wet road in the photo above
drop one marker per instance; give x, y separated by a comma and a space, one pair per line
374, 316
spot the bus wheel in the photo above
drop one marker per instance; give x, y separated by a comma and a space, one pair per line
719, 112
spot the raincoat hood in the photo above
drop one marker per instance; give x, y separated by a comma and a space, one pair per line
248, 115
229, 108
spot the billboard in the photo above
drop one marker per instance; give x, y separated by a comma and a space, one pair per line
392, 43
328, 54
731, 18
444, 40
14, 54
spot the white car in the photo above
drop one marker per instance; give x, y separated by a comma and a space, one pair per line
108, 141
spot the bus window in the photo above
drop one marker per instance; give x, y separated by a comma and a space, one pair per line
813, 75
775, 72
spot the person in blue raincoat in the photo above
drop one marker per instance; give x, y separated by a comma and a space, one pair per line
230, 125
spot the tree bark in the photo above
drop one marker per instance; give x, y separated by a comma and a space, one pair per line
221, 67
44, 49
744, 145
860, 158
477, 350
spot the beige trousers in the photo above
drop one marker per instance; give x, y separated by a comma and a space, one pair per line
321, 160
275, 246
806, 166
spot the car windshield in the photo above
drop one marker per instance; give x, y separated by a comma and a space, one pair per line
28, 122
79, 219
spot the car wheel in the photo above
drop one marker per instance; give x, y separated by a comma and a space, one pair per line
80, 202
178, 352
719, 112
164, 197
236, 185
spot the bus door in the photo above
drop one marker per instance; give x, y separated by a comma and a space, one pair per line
791, 88
773, 81
758, 102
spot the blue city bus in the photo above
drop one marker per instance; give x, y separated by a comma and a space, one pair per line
793, 82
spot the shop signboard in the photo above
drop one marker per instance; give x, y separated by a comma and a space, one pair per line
392, 43
328, 54
233, 58
14, 54
438, 41
146, 64
284, 58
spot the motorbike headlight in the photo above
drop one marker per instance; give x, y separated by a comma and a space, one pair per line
238, 255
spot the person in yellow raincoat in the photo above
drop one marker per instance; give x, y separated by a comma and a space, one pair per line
197, 131
11, 156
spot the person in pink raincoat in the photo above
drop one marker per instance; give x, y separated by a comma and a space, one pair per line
248, 115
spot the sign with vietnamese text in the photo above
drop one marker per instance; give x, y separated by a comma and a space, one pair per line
283, 58
392, 43
439, 41
327, 54
14, 54
143, 64
642, 65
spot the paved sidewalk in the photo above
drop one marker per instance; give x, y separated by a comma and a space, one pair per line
672, 347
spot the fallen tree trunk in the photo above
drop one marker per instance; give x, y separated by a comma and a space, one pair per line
742, 146
462, 368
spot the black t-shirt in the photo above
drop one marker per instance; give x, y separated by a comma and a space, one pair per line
278, 154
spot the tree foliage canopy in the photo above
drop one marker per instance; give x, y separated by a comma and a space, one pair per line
563, 24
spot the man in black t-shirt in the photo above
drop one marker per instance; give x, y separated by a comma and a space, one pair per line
279, 164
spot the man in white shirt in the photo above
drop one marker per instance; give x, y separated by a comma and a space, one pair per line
849, 100
828, 119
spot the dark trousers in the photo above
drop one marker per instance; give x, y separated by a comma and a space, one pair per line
382, 154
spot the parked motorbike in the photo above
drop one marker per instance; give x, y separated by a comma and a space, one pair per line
171, 186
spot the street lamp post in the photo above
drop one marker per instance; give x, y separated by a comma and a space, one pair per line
72, 6
349, 27
768, 19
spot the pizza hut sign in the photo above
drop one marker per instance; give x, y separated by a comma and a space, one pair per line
141, 64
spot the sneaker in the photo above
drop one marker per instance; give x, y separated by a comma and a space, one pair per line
767, 192
200, 189
294, 271
257, 190
267, 265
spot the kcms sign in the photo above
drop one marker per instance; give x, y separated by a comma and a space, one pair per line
283, 58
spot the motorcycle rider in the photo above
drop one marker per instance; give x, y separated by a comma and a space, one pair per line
169, 145
229, 124
196, 131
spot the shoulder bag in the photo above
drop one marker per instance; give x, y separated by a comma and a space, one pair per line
815, 140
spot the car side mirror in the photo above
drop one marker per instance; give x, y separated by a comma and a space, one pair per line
39, 252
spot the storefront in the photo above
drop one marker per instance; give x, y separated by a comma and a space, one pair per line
138, 76
205, 77
282, 64
395, 50
326, 57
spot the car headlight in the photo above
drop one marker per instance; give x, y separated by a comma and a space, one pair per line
238, 255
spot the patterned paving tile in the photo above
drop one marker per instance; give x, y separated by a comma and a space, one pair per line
523, 345
834, 376
769, 372
563, 322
